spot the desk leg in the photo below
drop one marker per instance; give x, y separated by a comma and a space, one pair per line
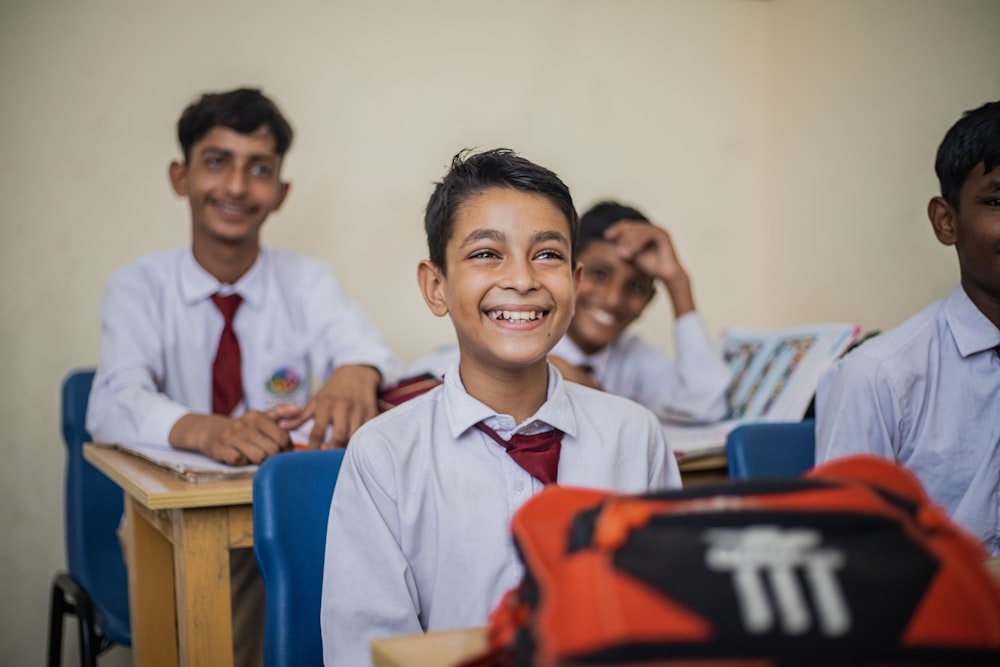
150, 562
204, 606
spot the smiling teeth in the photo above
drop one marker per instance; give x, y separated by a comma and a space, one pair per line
603, 317
515, 315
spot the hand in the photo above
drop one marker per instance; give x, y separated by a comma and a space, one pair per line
346, 401
650, 248
573, 373
249, 438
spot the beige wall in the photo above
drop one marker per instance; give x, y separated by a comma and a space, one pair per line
787, 144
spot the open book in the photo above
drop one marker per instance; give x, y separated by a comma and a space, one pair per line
775, 374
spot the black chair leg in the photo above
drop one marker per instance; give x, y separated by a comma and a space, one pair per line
58, 608
69, 598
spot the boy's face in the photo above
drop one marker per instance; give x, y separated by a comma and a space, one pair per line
612, 294
232, 184
510, 281
974, 230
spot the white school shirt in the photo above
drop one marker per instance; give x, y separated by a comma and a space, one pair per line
927, 395
418, 537
689, 389
160, 331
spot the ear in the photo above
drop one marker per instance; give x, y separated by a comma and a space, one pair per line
432, 285
178, 178
577, 276
283, 188
942, 217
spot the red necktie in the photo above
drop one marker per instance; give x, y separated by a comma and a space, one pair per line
538, 454
227, 380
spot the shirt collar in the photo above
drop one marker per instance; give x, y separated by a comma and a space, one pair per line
598, 361
197, 284
973, 331
463, 411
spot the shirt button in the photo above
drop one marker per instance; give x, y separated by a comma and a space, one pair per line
518, 486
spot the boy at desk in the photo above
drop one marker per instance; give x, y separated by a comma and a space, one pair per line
624, 256
927, 393
418, 533
214, 347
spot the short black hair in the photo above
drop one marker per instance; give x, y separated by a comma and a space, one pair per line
596, 220
244, 110
973, 139
471, 173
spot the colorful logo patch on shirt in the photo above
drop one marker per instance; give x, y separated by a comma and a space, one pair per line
283, 382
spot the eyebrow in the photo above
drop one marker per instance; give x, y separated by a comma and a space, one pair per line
993, 186
499, 237
252, 157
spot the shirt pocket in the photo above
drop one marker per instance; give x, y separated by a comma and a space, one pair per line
277, 378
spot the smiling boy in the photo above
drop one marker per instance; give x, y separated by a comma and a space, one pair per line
215, 347
418, 534
624, 258
927, 393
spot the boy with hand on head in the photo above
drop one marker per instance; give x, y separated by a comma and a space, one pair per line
624, 255
927, 393
215, 347
418, 535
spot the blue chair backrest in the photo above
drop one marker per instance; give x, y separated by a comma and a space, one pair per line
771, 449
94, 506
291, 506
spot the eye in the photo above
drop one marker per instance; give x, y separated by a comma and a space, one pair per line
484, 253
550, 255
597, 273
261, 170
215, 162
640, 287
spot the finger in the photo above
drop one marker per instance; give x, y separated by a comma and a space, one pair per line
323, 419
341, 424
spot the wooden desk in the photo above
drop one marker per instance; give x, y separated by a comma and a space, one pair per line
704, 470
436, 649
177, 540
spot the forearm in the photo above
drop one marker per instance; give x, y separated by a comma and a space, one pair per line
679, 290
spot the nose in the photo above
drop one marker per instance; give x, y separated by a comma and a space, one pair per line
610, 296
236, 182
520, 275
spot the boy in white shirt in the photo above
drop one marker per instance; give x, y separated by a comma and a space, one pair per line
177, 370
624, 256
927, 393
418, 534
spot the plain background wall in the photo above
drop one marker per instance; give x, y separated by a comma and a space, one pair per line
787, 145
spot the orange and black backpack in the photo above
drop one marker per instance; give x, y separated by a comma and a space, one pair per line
849, 565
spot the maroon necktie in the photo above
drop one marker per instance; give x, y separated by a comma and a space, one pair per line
538, 454
227, 380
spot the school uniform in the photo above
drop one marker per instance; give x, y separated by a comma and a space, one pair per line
927, 395
418, 537
688, 389
160, 332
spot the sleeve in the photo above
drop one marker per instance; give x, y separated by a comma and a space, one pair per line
664, 471
126, 402
342, 332
856, 411
368, 586
691, 388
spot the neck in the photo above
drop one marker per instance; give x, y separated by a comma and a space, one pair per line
516, 392
226, 263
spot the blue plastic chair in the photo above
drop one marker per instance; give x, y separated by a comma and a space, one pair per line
771, 449
291, 506
95, 588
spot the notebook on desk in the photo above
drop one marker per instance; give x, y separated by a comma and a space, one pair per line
190, 466
774, 377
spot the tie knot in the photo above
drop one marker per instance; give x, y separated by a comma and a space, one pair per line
227, 305
538, 454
